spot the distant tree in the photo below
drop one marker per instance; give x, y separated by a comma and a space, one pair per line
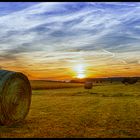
129, 80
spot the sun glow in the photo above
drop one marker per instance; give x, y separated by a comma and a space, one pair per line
80, 71
81, 75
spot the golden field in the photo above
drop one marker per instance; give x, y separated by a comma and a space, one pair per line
107, 110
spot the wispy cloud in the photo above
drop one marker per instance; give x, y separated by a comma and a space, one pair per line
54, 33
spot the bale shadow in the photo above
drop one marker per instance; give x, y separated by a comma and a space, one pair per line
15, 125
78, 94
117, 95
84, 93
93, 93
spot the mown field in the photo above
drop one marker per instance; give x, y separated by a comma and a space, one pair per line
36, 85
108, 110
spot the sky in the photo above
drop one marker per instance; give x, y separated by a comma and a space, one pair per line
65, 40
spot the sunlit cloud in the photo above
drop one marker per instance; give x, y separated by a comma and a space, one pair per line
52, 38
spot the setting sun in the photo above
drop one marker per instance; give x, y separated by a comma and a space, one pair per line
80, 75
64, 47
80, 71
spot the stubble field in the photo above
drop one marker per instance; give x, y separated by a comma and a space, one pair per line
107, 110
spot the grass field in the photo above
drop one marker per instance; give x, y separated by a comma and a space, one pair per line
108, 110
36, 85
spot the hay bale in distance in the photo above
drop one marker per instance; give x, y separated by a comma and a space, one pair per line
15, 97
88, 85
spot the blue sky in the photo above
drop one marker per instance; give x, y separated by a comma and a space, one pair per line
49, 36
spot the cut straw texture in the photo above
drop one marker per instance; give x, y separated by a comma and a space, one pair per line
15, 97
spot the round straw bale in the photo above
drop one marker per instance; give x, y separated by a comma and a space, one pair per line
88, 85
15, 97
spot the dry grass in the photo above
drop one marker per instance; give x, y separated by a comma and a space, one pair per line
41, 85
109, 110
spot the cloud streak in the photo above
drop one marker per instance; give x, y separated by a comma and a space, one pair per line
98, 34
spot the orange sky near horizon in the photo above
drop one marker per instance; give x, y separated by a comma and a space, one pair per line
85, 66
67, 74
66, 40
